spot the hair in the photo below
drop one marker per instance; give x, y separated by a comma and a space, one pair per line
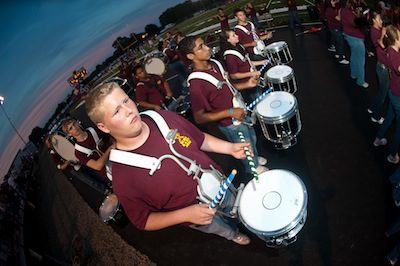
392, 34
225, 45
135, 68
160, 45
187, 45
220, 9
237, 10
66, 123
95, 98
373, 16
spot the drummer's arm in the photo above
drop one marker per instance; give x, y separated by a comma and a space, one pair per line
101, 162
147, 105
197, 214
250, 44
63, 166
244, 75
167, 88
260, 62
213, 144
203, 117
251, 83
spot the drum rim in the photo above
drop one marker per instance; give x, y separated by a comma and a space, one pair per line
280, 118
293, 224
271, 47
66, 137
112, 214
280, 80
145, 64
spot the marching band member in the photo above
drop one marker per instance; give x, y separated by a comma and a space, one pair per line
238, 63
248, 36
167, 196
214, 99
222, 18
152, 91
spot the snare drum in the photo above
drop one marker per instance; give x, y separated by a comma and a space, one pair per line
155, 66
281, 78
275, 207
279, 53
111, 211
64, 147
209, 185
279, 118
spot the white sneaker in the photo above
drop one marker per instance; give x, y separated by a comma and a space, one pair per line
379, 121
369, 111
365, 85
261, 169
344, 62
337, 56
332, 49
262, 160
380, 142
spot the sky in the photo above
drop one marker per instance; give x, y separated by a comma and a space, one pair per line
43, 41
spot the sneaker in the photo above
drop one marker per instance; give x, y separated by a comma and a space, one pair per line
379, 121
392, 261
369, 111
337, 56
371, 54
393, 159
241, 239
364, 85
397, 203
261, 169
332, 49
262, 160
344, 62
380, 142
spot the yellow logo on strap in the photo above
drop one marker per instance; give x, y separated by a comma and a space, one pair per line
183, 140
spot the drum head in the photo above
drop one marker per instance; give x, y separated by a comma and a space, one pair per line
109, 207
63, 147
276, 46
278, 201
276, 105
154, 66
279, 72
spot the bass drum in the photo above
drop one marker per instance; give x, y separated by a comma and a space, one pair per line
63, 146
111, 211
155, 66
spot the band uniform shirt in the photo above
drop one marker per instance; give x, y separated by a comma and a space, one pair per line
245, 38
235, 65
380, 52
152, 91
349, 27
169, 188
393, 64
205, 96
330, 14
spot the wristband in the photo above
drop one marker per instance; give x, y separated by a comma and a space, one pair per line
230, 111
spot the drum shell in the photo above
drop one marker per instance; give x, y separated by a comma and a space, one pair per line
111, 211
285, 82
155, 66
63, 146
279, 53
288, 231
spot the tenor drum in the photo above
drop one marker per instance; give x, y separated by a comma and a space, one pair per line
154, 66
279, 118
275, 207
281, 78
63, 146
111, 211
279, 53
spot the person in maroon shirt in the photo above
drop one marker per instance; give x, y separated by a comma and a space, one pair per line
168, 196
248, 36
222, 18
152, 91
252, 14
393, 113
216, 104
377, 34
335, 27
238, 63
293, 14
354, 36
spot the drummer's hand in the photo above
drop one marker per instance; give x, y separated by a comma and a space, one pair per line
238, 113
238, 150
200, 214
157, 107
252, 82
256, 74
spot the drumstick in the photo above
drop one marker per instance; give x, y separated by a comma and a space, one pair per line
249, 157
222, 189
258, 99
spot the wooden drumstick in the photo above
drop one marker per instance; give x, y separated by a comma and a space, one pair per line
249, 158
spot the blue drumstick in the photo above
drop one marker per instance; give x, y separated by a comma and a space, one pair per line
258, 99
222, 189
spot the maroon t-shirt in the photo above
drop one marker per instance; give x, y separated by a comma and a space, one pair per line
245, 37
205, 96
380, 52
90, 143
393, 64
151, 91
349, 27
169, 188
224, 22
171, 55
235, 65
330, 14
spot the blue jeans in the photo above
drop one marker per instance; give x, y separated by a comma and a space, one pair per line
231, 133
338, 41
357, 58
221, 225
392, 114
383, 81
293, 18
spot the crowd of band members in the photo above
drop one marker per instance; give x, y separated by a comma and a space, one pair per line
347, 23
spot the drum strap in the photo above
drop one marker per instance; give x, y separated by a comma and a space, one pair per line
139, 160
235, 53
94, 135
88, 151
84, 150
